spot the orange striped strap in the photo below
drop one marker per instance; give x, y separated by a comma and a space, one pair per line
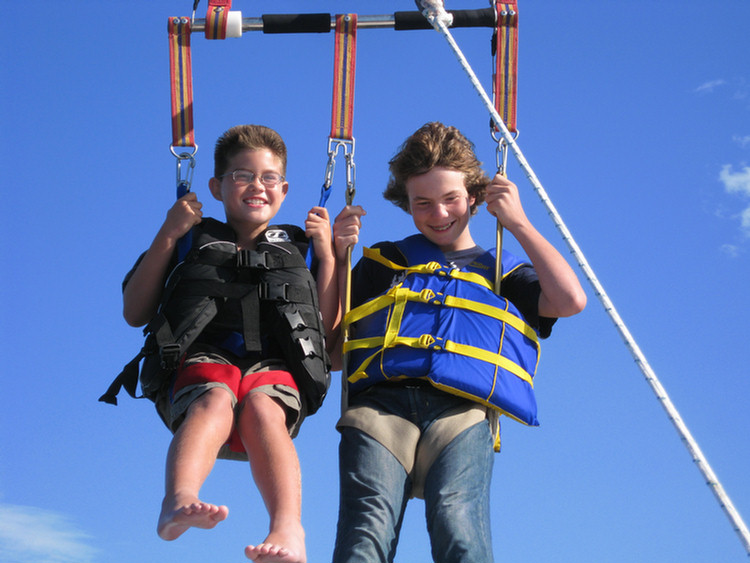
344, 64
216, 18
506, 63
181, 82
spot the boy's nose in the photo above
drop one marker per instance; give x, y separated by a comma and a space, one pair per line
440, 210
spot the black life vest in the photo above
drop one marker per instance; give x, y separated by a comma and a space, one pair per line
221, 289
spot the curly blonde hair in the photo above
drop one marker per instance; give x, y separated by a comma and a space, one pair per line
435, 144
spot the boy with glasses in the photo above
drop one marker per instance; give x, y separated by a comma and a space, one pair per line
258, 364
434, 355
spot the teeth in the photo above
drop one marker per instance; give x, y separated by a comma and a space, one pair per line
443, 228
254, 201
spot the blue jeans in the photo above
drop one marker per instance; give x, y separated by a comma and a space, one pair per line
374, 487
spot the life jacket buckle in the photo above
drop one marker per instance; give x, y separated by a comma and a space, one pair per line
273, 292
252, 259
426, 341
426, 295
169, 354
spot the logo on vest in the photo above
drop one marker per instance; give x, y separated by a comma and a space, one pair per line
277, 235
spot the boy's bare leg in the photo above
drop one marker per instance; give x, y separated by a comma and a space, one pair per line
275, 467
190, 459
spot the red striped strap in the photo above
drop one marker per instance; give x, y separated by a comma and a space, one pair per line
344, 64
216, 18
506, 63
181, 82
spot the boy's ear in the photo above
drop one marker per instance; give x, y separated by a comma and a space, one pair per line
214, 184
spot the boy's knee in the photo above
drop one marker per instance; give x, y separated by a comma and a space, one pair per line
216, 399
262, 409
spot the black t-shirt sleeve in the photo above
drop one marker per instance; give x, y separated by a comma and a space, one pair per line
521, 287
370, 278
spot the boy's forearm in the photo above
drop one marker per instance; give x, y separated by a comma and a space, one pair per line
337, 338
142, 293
328, 295
562, 294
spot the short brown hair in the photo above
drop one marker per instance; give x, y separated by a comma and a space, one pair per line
435, 144
247, 137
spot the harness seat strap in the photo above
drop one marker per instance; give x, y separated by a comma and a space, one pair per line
506, 63
181, 82
344, 64
216, 18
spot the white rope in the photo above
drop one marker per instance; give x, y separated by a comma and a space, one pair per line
697, 455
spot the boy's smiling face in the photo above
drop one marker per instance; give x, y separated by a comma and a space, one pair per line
441, 207
250, 208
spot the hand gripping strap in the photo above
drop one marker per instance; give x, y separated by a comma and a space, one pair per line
216, 18
344, 64
181, 82
506, 63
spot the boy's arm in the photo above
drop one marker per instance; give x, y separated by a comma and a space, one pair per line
318, 230
142, 292
345, 235
562, 294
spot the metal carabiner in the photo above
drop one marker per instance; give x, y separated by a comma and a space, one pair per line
501, 152
185, 171
347, 146
351, 174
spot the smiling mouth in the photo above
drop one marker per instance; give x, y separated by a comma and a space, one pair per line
254, 201
443, 228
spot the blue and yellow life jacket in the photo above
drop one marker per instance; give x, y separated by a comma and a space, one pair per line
447, 326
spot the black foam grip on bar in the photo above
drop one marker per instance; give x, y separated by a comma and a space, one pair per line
297, 23
461, 18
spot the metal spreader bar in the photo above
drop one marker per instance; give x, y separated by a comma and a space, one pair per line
325, 23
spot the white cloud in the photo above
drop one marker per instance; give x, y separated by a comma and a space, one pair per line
742, 141
33, 535
735, 182
731, 250
710, 86
738, 183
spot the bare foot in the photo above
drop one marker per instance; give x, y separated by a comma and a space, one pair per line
279, 548
175, 518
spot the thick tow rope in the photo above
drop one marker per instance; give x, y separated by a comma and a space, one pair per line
674, 416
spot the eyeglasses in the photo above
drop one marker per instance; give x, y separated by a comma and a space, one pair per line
247, 177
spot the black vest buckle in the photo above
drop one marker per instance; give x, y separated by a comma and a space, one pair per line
252, 259
169, 354
273, 292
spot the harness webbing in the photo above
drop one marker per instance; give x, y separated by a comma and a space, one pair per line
181, 82
344, 64
506, 62
216, 18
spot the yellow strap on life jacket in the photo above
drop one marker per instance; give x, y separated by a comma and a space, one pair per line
429, 268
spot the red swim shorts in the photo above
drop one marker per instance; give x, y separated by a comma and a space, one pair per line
209, 374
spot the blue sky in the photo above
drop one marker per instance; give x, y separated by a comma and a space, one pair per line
636, 119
